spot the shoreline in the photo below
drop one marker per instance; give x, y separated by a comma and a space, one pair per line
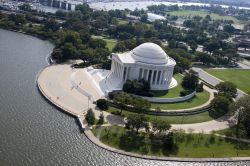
88, 133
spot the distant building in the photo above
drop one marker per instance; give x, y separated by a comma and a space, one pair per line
148, 62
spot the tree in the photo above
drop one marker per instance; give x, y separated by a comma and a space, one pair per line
102, 104
193, 45
17, 18
122, 99
140, 104
220, 106
25, 7
101, 119
136, 122
90, 117
172, 43
190, 80
120, 47
57, 54
69, 51
51, 24
229, 28
160, 126
97, 43
144, 18
227, 88
242, 109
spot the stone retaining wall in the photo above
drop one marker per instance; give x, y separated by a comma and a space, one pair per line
169, 100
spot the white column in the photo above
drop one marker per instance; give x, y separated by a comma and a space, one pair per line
122, 67
120, 71
115, 68
142, 73
147, 75
165, 79
112, 66
127, 73
169, 74
152, 76
162, 76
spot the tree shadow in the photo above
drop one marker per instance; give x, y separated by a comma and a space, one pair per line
131, 141
157, 93
215, 114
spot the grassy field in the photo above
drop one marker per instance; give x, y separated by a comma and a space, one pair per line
175, 92
110, 43
232, 132
199, 99
186, 145
203, 117
189, 13
122, 22
241, 78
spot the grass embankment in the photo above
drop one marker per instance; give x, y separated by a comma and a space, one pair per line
190, 13
186, 145
202, 117
199, 99
241, 78
175, 92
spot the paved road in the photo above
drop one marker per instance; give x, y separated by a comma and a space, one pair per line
212, 80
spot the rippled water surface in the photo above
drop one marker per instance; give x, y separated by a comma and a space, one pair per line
32, 132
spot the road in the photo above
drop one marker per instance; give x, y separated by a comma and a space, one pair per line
212, 80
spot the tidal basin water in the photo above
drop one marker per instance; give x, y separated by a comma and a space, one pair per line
33, 132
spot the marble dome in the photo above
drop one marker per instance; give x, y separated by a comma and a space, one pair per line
150, 53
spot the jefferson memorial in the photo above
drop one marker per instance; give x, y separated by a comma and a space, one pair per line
148, 61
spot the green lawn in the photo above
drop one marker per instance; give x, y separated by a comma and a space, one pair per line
175, 92
122, 22
202, 117
198, 100
186, 145
232, 132
110, 43
190, 13
241, 78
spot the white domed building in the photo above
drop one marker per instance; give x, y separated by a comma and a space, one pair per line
148, 61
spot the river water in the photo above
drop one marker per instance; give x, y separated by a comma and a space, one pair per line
33, 132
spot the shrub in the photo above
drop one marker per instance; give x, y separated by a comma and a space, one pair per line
190, 80
101, 119
140, 87
199, 87
111, 95
102, 104
220, 106
185, 92
90, 117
